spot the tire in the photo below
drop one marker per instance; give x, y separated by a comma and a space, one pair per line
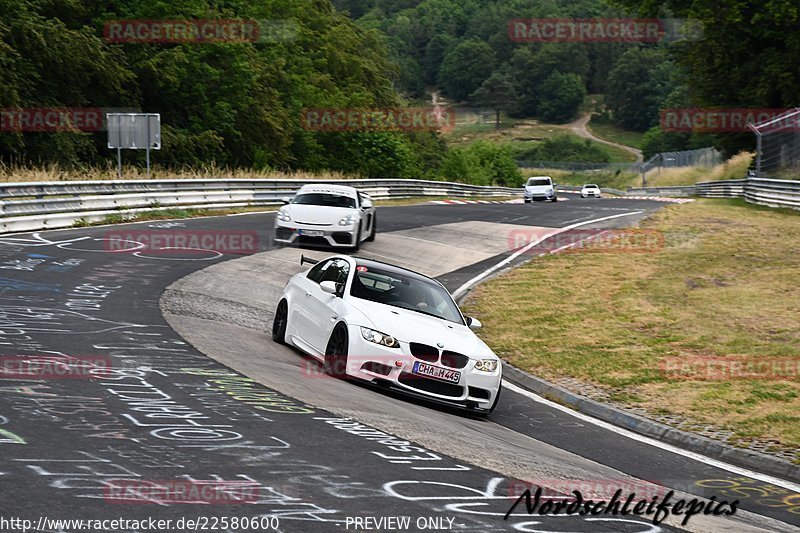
280, 322
496, 398
336, 352
484, 414
374, 229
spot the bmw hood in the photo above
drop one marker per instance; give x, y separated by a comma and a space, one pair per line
409, 326
317, 214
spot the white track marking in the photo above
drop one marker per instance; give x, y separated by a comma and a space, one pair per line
465, 287
653, 442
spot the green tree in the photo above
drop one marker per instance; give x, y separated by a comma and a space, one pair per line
560, 97
638, 85
497, 92
745, 54
465, 68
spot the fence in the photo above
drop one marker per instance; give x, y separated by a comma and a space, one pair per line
778, 145
702, 157
32, 206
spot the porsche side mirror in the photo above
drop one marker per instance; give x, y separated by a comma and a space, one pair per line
329, 287
473, 323
286, 200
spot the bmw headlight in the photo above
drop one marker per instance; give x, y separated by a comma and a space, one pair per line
349, 220
486, 365
284, 216
379, 338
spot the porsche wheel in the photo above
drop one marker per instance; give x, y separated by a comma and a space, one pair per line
374, 226
279, 323
357, 245
336, 352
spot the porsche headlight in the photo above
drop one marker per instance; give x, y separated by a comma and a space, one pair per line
486, 365
349, 220
379, 338
284, 216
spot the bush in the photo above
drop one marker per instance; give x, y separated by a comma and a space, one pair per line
565, 147
482, 163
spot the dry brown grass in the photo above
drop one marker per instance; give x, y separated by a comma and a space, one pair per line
724, 285
732, 169
10, 174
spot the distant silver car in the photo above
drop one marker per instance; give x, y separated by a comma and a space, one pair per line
590, 190
333, 215
540, 188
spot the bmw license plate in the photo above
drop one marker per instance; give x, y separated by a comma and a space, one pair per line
311, 233
436, 372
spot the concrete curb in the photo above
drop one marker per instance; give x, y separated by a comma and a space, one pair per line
745, 458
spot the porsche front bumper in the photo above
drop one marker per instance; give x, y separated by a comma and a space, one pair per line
331, 235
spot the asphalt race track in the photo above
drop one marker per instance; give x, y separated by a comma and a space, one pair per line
156, 408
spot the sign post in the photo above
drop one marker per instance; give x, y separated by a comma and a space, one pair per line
133, 131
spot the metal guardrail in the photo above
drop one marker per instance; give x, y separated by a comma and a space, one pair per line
50, 205
688, 190
577, 189
763, 191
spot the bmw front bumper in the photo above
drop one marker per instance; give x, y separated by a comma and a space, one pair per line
395, 367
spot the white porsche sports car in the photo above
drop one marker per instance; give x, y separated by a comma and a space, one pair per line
391, 326
333, 215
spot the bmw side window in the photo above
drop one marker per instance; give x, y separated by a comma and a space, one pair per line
316, 273
337, 272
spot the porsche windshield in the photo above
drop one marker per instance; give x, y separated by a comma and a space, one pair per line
330, 200
411, 291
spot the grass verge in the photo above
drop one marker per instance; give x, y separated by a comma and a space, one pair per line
606, 129
723, 285
11, 174
733, 169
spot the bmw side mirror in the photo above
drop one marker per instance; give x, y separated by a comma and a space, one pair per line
286, 200
329, 287
473, 323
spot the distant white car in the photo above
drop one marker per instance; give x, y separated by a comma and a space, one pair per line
590, 190
394, 327
333, 215
540, 188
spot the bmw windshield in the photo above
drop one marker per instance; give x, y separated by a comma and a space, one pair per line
412, 292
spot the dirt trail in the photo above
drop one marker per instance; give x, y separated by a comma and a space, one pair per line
580, 129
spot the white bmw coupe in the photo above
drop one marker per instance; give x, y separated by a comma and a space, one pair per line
332, 215
391, 326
